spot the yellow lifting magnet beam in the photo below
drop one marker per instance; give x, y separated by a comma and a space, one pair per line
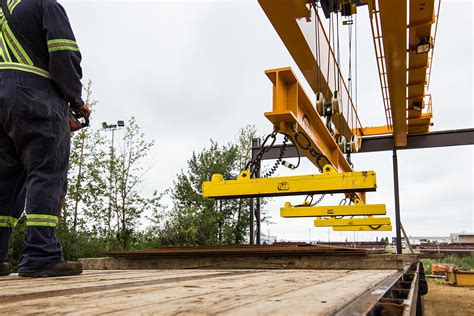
369, 221
341, 210
378, 228
329, 182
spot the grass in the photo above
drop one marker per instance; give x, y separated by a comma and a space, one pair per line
466, 263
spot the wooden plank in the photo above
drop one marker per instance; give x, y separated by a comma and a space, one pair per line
78, 282
256, 292
380, 262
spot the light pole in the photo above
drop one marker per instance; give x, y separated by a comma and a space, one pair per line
112, 128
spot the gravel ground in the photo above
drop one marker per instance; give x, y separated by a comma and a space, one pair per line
443, 299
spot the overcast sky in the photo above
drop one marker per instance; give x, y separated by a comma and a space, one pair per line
190, 71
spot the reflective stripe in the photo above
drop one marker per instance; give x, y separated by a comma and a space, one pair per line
41, 220
4, 54
62, 44
27, 68
15, 46
8, 221
11, 5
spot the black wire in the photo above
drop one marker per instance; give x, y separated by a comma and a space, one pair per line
279, 159
375, 227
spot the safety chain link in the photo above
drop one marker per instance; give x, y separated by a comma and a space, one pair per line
319, 157
254, 165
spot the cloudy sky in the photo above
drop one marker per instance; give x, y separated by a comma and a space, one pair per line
190, 71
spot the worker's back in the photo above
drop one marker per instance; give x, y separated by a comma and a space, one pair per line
38, 38
39, 80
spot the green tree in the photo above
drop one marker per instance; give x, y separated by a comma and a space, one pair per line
195, 220
129, 203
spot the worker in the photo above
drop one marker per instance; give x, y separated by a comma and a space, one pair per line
40, 77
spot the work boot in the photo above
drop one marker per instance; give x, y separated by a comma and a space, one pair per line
5, 268
61, 269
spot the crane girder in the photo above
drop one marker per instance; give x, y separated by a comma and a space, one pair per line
290, 18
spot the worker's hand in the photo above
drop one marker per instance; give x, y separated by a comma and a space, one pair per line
79, 117
86, 109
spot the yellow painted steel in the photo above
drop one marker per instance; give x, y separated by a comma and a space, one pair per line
382, 228
393, 18
369, 221
293, 111
291, 18
329, 182
339, 210
458, 277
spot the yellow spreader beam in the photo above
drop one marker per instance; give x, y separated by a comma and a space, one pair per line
383, 228
348, 210
370, 221
329, 182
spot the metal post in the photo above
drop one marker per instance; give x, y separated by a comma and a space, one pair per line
397, 202
254, 204
252, 222
258, 210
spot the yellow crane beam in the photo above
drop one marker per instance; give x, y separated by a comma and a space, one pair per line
381, 228
290, 18
330, 181
393, 20
294, 112
359, 209
369, 221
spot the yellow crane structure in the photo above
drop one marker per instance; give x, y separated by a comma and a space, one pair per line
327, 128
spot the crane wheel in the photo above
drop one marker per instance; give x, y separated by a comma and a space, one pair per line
342, 144
355, 143
320, 103
336, 101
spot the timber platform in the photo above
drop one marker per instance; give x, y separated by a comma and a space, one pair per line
281, 280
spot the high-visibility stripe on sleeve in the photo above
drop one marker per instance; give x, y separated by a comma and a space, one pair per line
18, 51
61, 45
41, 220
8, 221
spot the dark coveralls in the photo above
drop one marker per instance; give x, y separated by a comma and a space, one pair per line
38, 82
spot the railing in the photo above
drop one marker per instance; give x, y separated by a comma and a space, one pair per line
380, 57
430, 59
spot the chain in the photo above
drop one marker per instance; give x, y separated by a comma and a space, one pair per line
254, 165
307, 146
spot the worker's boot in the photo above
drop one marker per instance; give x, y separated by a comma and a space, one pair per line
5, 268
65, 268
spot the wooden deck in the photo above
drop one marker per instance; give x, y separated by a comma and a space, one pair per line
170, 292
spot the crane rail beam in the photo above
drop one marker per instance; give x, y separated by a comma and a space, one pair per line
297, 26
393, 18
449, 138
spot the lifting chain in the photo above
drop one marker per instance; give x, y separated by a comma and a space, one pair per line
307, 146
309, 201
254, 165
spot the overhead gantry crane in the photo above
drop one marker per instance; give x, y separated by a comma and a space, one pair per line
327, 130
